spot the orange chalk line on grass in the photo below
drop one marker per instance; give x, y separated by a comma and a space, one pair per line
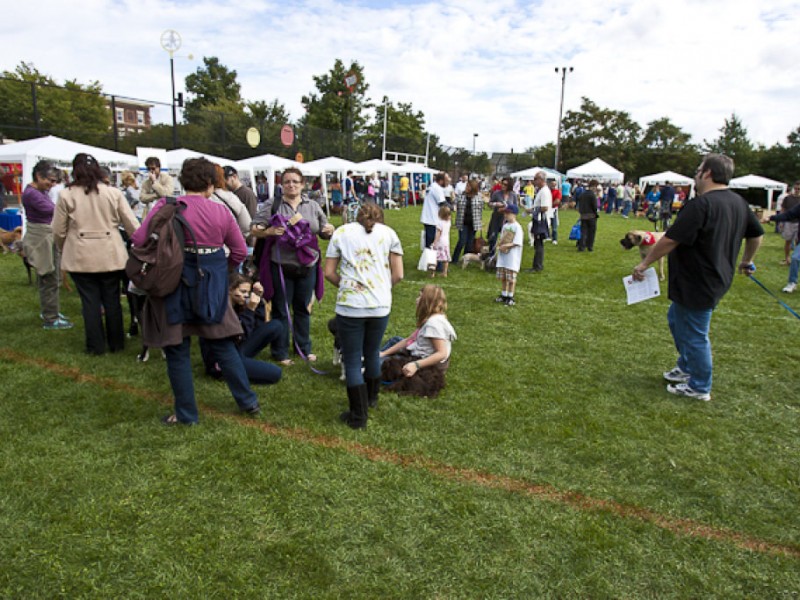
576, 500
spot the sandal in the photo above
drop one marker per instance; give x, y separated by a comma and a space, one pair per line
311, 357
170, 420
286, 362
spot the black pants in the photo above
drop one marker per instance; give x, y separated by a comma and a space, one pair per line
588, 231
100, 292
538, 253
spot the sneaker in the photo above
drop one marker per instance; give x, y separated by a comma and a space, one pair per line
337, 357
683, 389
555, 242
510, 302
60, 316
790, 287
58, 324
500, 299
677, 375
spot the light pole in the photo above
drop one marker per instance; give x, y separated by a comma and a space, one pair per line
563, 71
171, 42
474, 137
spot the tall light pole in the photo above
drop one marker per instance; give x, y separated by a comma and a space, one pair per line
563, 71
474, 137
171, 42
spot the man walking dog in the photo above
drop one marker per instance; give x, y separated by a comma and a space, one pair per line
703, 244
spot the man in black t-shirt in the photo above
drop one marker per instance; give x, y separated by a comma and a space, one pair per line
703, 245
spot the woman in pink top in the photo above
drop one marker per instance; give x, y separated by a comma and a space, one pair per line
170, 322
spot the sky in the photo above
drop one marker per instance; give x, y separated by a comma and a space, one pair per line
470, 66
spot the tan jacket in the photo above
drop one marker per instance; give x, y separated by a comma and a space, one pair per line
86, 229
155, 190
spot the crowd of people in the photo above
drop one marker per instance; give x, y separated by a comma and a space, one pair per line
263, 266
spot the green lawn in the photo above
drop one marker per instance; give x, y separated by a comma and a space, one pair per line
554, 463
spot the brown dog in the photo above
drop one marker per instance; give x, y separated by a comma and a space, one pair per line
8, 239
645, 240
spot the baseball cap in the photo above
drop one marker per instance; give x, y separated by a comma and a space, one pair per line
230, 171
512, 208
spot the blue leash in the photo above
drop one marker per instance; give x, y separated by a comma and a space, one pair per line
781, 302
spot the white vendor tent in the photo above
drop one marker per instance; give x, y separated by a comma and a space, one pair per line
529, 173
175, 158
61, 152
376, 165
271, 164
667, 177
758, 182
596, 169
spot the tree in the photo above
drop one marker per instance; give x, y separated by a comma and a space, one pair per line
594, 131
213, 86
734, 142
666, 147
338, 108
76, 111
780, 162
405, 130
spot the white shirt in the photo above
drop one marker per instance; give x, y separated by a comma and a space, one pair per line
543, 199
511, 260
437, 327
430, 207
365, 289
461, 187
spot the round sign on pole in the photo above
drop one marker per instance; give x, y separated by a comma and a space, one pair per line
253, 137
298, 157
287, 135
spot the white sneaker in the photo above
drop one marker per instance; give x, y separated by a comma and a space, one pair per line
677, 375
790, 287
555, 242
683, 389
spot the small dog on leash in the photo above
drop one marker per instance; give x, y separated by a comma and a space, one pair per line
645, 240
478, 258
9, 239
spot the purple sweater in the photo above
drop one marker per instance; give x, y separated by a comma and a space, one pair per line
212, 223
39, 208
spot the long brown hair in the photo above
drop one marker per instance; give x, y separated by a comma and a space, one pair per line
432, 301
369, 214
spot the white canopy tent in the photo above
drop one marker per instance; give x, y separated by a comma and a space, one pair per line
667, 177
529, 173
61, 152
271, 164
175, 158
376, 165
758, 182
596, 169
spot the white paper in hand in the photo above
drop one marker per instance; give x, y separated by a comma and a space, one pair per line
638, 291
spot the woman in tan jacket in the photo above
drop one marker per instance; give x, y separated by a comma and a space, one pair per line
86, 229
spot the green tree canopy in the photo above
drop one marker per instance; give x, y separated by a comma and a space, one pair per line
733, 141
74, 111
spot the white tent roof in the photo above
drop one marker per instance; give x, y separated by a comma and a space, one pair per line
530, 172
756, 181
415, 168
596, 169
664, 177
332, 163
266, 161
175, 158
376, 165
59, 150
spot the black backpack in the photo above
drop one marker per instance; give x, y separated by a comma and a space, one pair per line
156, 266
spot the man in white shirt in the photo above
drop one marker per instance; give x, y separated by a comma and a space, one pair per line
542, 205
434, 198
461, 186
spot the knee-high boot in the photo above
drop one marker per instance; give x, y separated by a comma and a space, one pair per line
373, 389
356, 417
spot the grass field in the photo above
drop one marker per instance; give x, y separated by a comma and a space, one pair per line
554, 464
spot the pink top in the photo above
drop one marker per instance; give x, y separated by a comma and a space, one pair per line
212, 223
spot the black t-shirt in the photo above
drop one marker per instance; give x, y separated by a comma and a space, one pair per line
709, 230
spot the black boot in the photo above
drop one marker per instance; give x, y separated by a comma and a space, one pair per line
356, 417
373, 388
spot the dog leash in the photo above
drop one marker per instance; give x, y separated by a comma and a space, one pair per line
781, 302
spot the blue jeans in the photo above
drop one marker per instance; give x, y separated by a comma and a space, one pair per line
430, 234
689, 327
554, 227
626, 207
361, 337
466, 237
258, 371
794, 268
179, 370
298, 292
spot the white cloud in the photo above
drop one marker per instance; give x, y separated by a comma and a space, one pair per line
470, 66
